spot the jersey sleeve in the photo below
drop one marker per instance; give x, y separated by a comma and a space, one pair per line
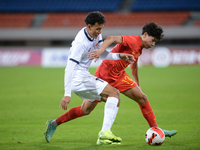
68, 76
128, 40
132, 44
76, 51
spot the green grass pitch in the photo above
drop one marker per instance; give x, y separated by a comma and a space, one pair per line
29, 96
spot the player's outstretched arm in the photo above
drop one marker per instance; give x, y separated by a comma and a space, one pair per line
116, 56
68, 79
107, 42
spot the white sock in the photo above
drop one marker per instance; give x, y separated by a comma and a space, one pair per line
54, 123
109, 113
116, 111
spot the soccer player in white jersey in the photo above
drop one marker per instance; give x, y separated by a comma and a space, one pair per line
86, 86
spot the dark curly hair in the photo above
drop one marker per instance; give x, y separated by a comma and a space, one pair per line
94, 17
153, 30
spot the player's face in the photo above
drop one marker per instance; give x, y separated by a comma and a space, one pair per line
148, 41
95, 30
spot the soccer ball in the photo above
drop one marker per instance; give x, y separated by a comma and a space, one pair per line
154, 136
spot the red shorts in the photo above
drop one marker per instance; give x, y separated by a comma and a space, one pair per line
121, 81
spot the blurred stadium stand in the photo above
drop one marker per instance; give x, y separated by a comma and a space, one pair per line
16, 20
59, 5
56, 22
169, 5
115, 19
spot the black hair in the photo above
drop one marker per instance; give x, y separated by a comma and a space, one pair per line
153, 30
94, 17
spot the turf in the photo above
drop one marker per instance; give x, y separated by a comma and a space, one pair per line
29, 96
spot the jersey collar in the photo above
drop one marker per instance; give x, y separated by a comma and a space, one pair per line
88, 36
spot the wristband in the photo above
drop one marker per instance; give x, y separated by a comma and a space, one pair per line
115, 56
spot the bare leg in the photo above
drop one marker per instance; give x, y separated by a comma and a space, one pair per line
137, 95
87, 107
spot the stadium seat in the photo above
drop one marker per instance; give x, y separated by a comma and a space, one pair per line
64, 20
15, 20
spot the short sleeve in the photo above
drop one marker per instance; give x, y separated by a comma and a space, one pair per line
128, 40
76, 51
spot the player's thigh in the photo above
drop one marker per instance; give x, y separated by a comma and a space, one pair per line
136, 94
110, 91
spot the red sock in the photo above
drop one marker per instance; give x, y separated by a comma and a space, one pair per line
148, 114
71, 114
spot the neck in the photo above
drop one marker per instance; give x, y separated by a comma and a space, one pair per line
87, 35
142, 41
88, 32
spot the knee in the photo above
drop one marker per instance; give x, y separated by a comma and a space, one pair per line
86, 111
142, 99
117, 94
118, 103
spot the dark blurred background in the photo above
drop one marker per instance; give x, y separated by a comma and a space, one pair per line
56, 22
41, 24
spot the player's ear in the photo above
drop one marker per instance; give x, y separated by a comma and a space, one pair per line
145, 34
89, 26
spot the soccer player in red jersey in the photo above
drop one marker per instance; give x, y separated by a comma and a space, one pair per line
113, 71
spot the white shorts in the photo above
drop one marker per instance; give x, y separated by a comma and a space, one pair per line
89, 87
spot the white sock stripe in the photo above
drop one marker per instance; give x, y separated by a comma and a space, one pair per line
54, 123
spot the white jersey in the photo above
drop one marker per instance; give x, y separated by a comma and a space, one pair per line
81, 47
77, 77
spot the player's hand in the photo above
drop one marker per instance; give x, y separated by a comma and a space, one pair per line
64, 102
94, 55
127, 57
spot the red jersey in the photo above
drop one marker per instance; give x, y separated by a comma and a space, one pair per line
112, 71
